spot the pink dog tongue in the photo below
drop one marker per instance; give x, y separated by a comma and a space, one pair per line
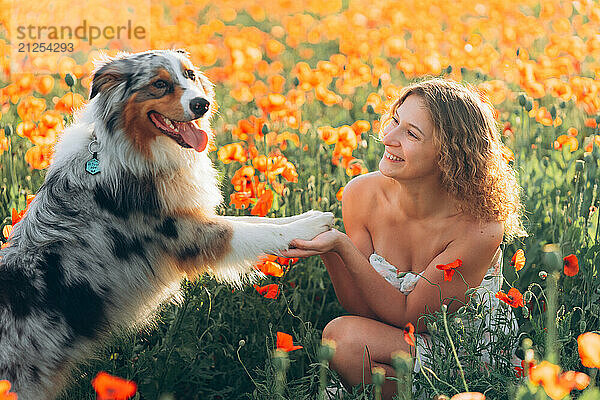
193, 135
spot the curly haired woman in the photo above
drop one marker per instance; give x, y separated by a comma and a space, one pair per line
443, 192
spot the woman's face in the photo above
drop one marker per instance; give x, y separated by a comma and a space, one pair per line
409, 149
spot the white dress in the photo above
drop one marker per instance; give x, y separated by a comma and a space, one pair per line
485, 292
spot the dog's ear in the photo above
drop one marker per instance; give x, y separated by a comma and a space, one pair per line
109, 75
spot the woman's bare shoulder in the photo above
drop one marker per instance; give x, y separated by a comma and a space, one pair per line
489, 234
360, 196
372, 182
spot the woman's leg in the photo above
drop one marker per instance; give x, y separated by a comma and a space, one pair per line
351, 334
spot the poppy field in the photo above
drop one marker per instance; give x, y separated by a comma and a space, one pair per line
301, 89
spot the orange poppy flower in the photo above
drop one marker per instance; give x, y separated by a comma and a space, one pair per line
409, 334
589, 349
232, 152
285, 342
593, 140
513, 298
69, 102
361, 126
44, 84
6, 231
449, 268
555, 384
328, 134
566, 140
591, 123
518, 260
39, 157
241, 200
263, 205
4, 391
270, 291
289, 172
339, 193
468, 396
270, 268
571, 265
16, 216
572, 131
110, 387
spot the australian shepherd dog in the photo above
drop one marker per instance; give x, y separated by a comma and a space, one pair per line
126, 210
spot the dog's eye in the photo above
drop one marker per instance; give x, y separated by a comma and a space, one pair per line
190, 74
160, 84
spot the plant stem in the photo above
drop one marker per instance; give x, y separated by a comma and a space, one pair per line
462, 374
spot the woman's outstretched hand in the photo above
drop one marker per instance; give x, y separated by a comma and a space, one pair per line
320, 244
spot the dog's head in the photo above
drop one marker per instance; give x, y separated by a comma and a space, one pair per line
154, 96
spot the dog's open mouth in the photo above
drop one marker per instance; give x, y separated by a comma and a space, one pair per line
186, 134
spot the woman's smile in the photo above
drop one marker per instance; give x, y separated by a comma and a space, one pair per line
392, 157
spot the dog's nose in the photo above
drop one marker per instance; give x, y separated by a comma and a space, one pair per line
199, 106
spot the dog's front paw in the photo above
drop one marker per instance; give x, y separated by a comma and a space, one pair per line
310, 226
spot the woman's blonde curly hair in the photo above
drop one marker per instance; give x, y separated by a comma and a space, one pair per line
473, 167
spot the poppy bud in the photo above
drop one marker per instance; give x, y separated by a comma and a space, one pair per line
562, 104
527, 296
7, 130
281, 361
370, 109
69, 80
526, 344
326, 350
402, 362
265, 129
449, 69
296, 81
598, 119
378, 375
522, 99
463, 70
553, 111
241, 343
529, 105
518, 51
582, 326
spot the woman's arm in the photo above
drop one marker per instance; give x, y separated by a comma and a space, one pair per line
347, 292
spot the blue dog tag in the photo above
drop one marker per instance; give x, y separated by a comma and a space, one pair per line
93, 165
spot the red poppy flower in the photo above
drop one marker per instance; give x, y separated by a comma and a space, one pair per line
286, 261
4, 391
449, 269
263, 205
110, 387
285, 342
518, 260
241, 200
571, 265
513, 298
268, 291
409, 334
